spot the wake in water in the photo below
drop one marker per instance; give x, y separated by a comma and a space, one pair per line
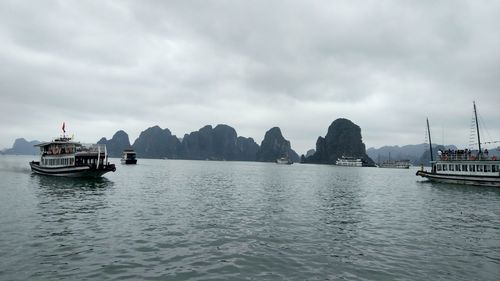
6, 167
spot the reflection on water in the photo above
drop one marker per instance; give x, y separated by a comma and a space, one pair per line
65, 202
64, 184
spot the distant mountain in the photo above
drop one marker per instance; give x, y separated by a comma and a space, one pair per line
310, 152
342, 139
275, 146
219, 143
156, 142
412, 152
116, 144
23, 147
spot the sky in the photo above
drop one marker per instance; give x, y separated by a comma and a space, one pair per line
104, 66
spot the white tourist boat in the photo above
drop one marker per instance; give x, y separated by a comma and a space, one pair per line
284, 160
464, 166
349, 162
64, 157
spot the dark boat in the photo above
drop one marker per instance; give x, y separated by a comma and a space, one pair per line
463, 166
129, 157
64, 157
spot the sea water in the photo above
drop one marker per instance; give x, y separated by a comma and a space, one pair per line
207, 220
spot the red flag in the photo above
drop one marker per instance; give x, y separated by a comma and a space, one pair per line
64, 131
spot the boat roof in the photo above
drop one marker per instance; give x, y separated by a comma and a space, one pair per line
59, 141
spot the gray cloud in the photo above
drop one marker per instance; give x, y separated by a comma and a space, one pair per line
386, 65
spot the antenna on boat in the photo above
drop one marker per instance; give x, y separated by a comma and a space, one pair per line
63, 128
430, 141
477, 127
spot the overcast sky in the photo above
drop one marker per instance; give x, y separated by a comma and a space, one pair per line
102, 66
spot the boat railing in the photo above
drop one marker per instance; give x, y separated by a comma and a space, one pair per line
92, 148
461, 156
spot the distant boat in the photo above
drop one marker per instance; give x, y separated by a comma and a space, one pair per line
284, 160
64, 157
129, 157
398, 164
463, 166
349, 162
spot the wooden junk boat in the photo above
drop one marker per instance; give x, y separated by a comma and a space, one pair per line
464, 166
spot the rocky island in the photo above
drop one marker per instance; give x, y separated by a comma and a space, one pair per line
342, 139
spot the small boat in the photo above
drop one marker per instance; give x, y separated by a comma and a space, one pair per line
394, 164
349, 162
399, 164
64, 157
463, 166
284, 160
129, 157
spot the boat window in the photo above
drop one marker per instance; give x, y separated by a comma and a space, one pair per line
457, 167
472, 168
487, 168
439, 167
494, 168
479, 168
451, 167
464, 168
445, 167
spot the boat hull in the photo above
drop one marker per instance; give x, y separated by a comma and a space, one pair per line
72, 171
394, 166
461, 179
129, 161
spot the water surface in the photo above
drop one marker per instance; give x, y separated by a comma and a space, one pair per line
204, 220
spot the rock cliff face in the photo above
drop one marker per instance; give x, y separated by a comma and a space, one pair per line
116, 144
247, 148
342, 139
156, 142
23, 147
219, 143
275, 146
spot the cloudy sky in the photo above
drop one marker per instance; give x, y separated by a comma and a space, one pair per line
101, 66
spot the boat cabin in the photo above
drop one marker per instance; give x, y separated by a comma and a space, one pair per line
63, 152
466, 162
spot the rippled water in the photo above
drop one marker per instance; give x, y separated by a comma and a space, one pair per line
201, 220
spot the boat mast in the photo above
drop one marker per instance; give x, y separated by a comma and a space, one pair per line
430, 141
477, 127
